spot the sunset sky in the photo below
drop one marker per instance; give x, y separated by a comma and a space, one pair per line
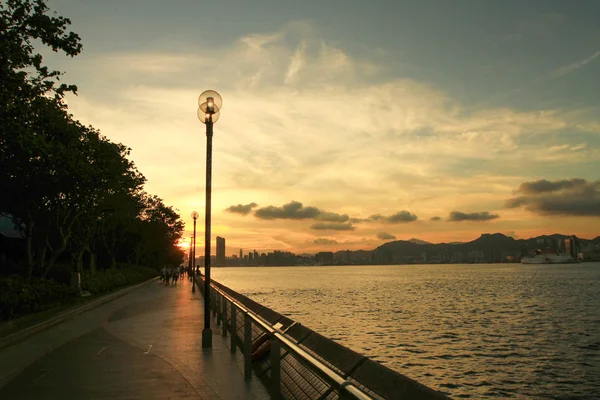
346, 124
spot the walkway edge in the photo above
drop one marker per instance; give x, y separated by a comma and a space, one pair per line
32, 330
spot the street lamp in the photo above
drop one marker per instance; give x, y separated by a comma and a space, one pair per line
209, 107
193, 246
190, 257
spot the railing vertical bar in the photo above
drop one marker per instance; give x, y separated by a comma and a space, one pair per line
247, 346
233, 327
219, 309
224, 317
275, 368
214, 303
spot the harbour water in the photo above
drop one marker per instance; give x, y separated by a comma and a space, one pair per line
482, 331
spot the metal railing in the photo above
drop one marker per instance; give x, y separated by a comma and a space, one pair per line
297, 363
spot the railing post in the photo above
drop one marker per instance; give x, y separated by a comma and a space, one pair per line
275, 368
343, 393
233, 326
224, 316
214, 303
219, 308
247, 346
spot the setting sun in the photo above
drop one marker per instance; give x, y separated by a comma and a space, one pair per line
183, 245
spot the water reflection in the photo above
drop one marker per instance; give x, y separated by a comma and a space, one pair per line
480, 331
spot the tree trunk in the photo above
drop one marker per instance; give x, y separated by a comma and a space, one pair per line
92, 263
40, 257
92, 260
55, 254
29, 249
79, 261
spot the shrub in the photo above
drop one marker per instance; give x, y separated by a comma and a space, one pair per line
18, 298
112, 279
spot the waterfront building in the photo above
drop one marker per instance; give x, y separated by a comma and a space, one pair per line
220, 252
572, 246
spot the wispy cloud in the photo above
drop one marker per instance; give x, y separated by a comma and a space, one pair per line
385, 236
243, 209
399, 217
324, 241
332, 226
567, 69
475, 216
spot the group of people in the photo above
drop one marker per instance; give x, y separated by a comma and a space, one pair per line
170, 275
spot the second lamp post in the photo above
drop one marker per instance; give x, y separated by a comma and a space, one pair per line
209, 107
193, 252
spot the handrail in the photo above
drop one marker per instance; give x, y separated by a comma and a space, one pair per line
323, 370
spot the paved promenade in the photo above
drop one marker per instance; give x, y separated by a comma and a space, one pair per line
145, 345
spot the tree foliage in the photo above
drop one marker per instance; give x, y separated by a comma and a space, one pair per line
74, 194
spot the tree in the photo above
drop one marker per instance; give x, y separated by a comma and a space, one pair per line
158, 233
68, 188
110, 190
27, 114
23, 75
34, 174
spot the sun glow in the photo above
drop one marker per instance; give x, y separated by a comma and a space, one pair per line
183, 245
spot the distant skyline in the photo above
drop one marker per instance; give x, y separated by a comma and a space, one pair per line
235, 251
348, 124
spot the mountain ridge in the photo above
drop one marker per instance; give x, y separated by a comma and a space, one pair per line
488, 247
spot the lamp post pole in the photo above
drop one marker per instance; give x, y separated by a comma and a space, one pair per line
193, 244
207, 333
190, 257
209, 106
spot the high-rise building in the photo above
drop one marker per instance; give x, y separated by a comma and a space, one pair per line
241, 254
572, 246
220, 261
255, 257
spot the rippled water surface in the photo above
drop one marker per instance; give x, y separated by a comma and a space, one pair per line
472, 331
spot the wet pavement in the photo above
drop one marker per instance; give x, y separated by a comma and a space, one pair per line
144, 345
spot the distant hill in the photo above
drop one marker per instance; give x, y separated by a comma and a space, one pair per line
489, 247
418, 241
493, 239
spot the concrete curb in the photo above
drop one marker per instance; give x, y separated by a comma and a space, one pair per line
32, 330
